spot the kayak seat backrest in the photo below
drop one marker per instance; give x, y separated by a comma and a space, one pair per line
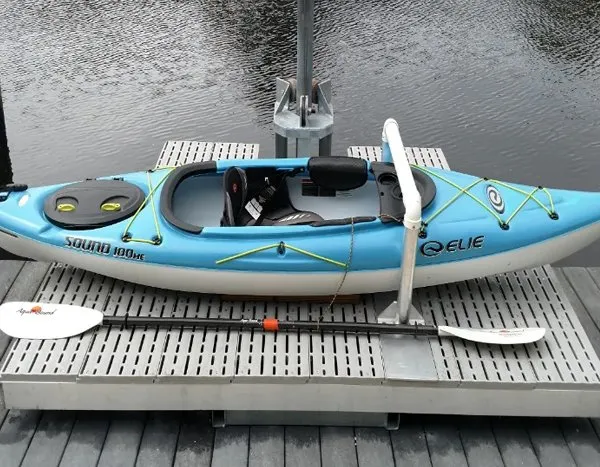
244, 188
235, 185
338, 172
281, 212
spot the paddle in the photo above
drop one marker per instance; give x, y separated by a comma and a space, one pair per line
28, 320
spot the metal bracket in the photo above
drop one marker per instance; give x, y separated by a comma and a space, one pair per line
388, 310
312, 122
303, 111
391, 315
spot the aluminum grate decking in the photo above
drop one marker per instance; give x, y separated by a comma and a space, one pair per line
252, 370
185, 152
526, 298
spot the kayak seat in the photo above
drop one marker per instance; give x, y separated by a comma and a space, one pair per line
249, 193
291, 216
235, 184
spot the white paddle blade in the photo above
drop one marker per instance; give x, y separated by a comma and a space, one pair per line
495, 336
37, 320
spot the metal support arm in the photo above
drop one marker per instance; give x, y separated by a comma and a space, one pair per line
400, 310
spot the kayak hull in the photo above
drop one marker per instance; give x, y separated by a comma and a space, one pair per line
337, 227
303, 284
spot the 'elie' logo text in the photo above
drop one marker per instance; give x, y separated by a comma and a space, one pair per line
434, 248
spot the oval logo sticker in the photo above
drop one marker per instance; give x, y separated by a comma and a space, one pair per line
495, 199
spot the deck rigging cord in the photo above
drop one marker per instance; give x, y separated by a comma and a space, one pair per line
281, 247
465, 191
157, 240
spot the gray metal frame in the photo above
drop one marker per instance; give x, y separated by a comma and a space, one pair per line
124, 369
303, 111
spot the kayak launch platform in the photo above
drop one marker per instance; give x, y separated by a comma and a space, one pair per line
260, 378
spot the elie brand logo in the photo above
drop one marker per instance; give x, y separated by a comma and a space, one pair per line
434, 248
495, 199
36, 310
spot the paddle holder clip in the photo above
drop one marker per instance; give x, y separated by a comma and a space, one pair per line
402, 310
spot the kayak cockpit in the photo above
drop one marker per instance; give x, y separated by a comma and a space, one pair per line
325, 191
271, 199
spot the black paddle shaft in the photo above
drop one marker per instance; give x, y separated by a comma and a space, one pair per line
273, 325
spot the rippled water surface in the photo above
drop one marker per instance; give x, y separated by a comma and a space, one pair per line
507, 89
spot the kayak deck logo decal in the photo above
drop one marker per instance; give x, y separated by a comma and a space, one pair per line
102, 248
495, 199
434, 248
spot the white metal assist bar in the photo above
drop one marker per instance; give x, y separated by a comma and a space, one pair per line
398, 311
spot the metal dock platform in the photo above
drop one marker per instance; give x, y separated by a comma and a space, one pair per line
188, 438
247, 377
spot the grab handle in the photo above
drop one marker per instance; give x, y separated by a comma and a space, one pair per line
392, 146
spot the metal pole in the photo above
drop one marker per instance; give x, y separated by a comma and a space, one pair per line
303, 112
405, 292
306, 13
393, 151
6, 175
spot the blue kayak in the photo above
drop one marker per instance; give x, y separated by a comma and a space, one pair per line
292, 226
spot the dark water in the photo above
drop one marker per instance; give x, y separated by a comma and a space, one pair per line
508, 89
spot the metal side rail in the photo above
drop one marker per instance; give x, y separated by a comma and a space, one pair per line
336, 375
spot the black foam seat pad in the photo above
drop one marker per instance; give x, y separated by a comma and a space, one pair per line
290, 216
338, 172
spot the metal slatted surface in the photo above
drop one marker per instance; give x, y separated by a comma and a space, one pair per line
112, 354
185, 152
201, 354
206, 355
524, 298
290, 356
58, 360
432, 157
